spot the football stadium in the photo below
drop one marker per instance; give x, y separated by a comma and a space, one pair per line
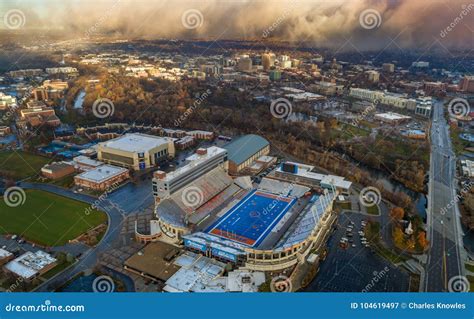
266, 226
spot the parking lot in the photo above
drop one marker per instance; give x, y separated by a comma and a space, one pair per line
355, 269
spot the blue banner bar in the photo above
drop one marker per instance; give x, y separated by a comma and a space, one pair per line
260, 305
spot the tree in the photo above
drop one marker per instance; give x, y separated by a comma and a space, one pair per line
397, 213
421, 240
398, 237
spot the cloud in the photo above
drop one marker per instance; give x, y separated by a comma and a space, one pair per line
409, 23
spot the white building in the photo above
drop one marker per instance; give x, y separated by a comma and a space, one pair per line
386, 98
200, 163
7, 101
423, 106
30, 265
136, 151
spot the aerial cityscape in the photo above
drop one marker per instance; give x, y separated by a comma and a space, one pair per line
237, 146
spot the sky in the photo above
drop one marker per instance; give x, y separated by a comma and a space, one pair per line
363, 23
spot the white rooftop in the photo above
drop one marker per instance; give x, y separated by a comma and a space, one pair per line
194, 160
392, 116
102, 173
4, 253
196, 274
135, 142
81, 159
29, 264
305, 171
305, 96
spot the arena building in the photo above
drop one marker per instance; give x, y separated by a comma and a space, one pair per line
136, 151
244, 150
267, 227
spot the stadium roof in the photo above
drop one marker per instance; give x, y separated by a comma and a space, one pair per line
240, 149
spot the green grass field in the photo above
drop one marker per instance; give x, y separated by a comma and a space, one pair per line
48, 219
21, 164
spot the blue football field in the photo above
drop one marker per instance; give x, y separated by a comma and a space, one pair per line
252, 218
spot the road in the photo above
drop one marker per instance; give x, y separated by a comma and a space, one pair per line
117, 205
444, 231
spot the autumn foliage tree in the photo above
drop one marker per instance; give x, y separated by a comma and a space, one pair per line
397, 213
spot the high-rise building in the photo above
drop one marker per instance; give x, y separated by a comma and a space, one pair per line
373, 76
245, 64
275, 75
388, 67
467, 84
268, 60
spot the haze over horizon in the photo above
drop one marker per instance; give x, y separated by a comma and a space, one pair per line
356, 24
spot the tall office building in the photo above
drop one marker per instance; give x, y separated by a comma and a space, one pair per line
245, 64
268, 60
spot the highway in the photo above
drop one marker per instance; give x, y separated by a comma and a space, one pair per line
444, 229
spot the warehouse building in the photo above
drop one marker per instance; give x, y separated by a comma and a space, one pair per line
136, 151
244, 151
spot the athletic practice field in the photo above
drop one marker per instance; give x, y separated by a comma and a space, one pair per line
48, 219
21, 164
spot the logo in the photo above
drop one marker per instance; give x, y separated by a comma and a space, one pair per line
192, 19
458, 107
370, 19
14, 196
459, 284
370, 196
281, 284
14, 19
103, 284
103, 108
192, 196
281, 108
